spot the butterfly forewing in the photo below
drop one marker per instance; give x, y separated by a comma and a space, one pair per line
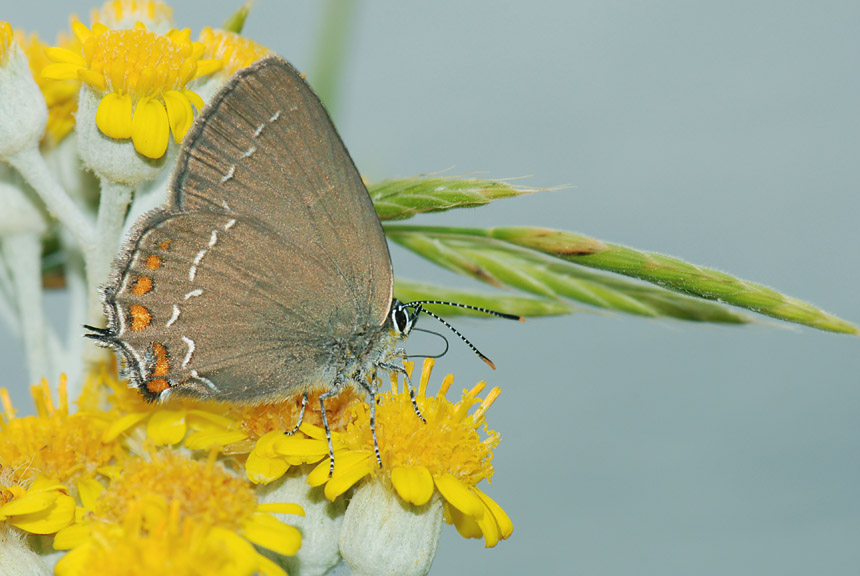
268, 136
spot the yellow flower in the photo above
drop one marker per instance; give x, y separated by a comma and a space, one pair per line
191, 516
61, 96
142, 77
64, 446
43, 507
444, 456
235, 51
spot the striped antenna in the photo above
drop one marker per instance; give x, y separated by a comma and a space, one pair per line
419, 303
419, 308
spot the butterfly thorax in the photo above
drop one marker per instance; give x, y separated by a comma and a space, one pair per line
358, 358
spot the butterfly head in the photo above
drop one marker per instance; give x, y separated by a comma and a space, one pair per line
403, 317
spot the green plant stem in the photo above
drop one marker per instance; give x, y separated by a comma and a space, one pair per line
664, 271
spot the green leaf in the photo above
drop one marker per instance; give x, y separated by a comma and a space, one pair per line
409, 291
236, 22
547, 262
404, 198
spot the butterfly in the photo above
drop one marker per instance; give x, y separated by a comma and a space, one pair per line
266, 274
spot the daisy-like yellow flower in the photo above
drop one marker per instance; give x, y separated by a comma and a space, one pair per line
444, 456
61, 96
190, 516
42, 506
235, 51
142, 77
68, 447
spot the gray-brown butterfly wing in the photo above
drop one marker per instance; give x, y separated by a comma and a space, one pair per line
266, 148
268, 250
202, 309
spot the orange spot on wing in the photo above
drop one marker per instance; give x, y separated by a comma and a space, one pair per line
153, 262
142, 285
164, 245
162, 364
157, 386
140, 317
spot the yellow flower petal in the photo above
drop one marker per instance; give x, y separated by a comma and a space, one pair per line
206, 440
267, 531
349, 469
319, 475
204, 420
150, 129
242, 553
58, 515
65, 56
44, 483
490, 529
205, 67
459, 496
180, 115
301, 447
269, 568
29, 503
466, 525
506, 527
60, 72
71, 537
282, 508
73, 563
89, 490
124, 423
165, 426
81, 31
196, 100
262, 469
94, 79
111, 471
413, 483
315, 432
266, 444
17, 491
113, 116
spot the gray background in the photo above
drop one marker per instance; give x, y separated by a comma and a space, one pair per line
724, 133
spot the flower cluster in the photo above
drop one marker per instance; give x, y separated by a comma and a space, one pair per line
107, 483
201, 487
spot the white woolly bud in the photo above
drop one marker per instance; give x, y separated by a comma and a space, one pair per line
320, 526
384, 536
16, 558
23, 112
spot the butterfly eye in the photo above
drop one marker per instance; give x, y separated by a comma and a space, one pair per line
401, 319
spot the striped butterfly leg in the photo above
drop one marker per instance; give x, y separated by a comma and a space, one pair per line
336, 389
408, 382
301, 415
